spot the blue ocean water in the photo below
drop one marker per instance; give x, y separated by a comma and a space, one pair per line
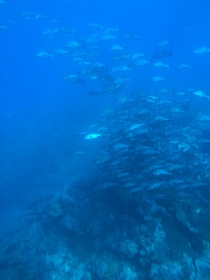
104, 139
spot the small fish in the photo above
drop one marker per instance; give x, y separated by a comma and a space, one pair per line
184, 66
162, 54
108, 37
200, 93
28, 216
94, 125
202, 50
76, 153
204, 118
38, 16
161, 118
70, 77
44, 54
120, 68
137, 55
121, 146
95, 25
135, 126
176, 110
158, 79
122, 80
10, 114
180, 93
161, 64
93, 46
50, 31
161, 172
81, 133
121, 57
132, 37
165, 90
54, 20
3, 27
44, 199
143, 62
60, 51
164, 43
153, 97
184, 147
204, 141
156, 185
11, 21
92, 136
117, 48
111, 29
74, 44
